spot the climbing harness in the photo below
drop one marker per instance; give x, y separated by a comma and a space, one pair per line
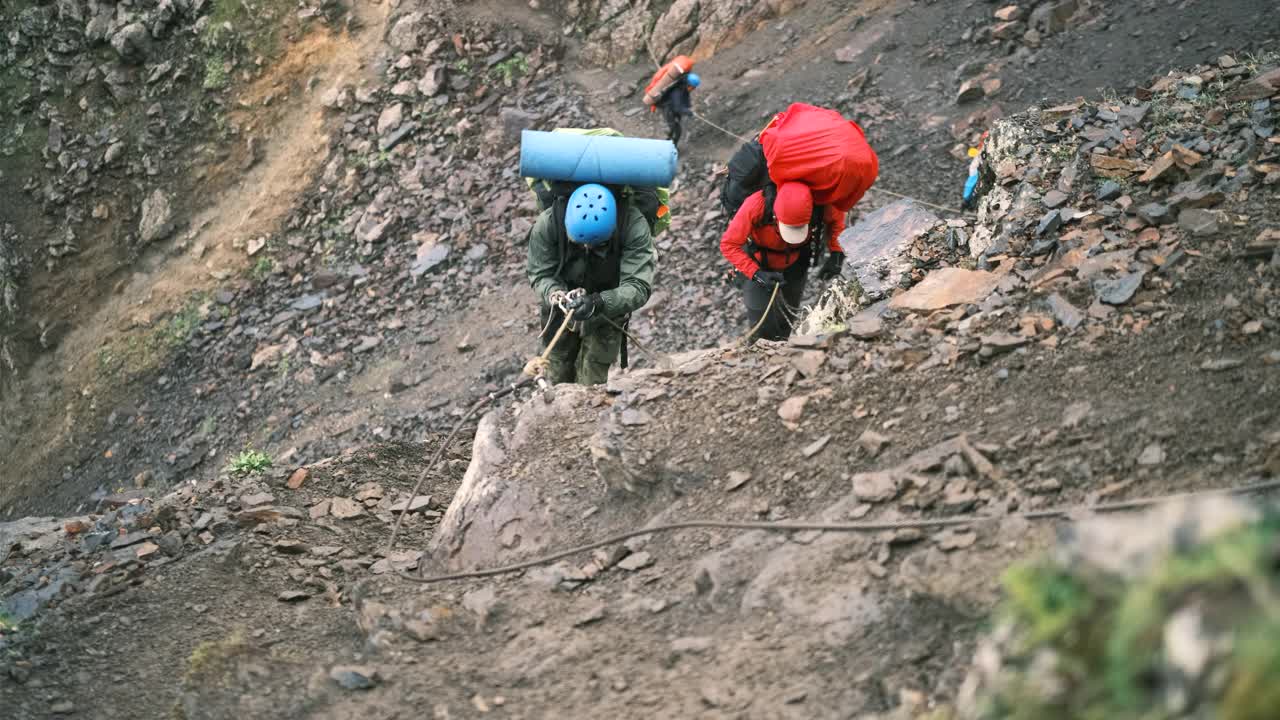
854, 527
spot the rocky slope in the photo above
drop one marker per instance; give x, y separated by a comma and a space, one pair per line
1123, 253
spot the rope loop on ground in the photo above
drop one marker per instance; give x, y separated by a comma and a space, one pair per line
856, 527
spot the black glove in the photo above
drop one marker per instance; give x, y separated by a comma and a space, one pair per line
768, 278
585, 307
831, 267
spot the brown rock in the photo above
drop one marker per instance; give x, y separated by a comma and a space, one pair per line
1009, 13
1185, 156
1006, 30
296, 479
345, 508
952, 539
792, 408
1262, 86
946, 287
1113, 167
879, 486
872, 441
1160, 169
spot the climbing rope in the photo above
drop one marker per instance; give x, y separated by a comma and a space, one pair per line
873, 188
746, 339
730, 133
475, 408
854, 527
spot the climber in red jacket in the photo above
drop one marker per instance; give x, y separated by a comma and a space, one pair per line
772, 240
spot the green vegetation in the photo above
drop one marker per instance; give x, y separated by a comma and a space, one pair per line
511, 69
7, 624
249, 462
141, 351
462, 65
262, 268
216, 76
208, 426
211, 659
1081, 642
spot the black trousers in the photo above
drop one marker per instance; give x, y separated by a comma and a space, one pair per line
777, 326
673, 124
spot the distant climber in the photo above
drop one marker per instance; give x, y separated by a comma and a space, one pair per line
594, 239
676, 104
772, 240
668, 90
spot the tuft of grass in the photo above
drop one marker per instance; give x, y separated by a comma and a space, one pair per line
210, 659
216, 76
261, 269
249, 462
7, 624
511, 69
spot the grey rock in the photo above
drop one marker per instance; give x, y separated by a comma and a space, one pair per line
132, 42
1220, 364
1155, 213
430, 255
1051, 221
1152, 454
1198, 222
1110, 190
114, 151
1118, 290
310, 301
433, 80
157, 218
390, 118
404, 34
354, 677
397, 135
1054, 199
878, 248
1067, 315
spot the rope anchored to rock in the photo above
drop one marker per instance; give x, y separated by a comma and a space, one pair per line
853, 527
534, 371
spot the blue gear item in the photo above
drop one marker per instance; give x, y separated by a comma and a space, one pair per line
692, 80
591, 215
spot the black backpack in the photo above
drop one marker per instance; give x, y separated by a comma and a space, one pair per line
748, 172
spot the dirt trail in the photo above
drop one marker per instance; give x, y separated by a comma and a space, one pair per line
282, 114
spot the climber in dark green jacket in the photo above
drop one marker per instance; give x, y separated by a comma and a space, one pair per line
577, 243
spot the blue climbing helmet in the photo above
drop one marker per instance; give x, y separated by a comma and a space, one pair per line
591, 215
693, 80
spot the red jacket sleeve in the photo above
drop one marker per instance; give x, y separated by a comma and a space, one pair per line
835, 225
733, 242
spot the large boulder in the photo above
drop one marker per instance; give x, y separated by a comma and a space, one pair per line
157, 218
132, 42
878, 248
